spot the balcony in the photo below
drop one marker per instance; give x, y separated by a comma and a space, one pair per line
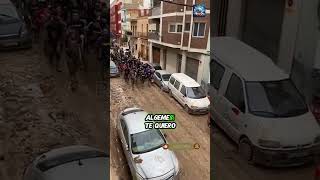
154, 36
140, 35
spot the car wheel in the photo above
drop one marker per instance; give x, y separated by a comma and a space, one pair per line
162, 88
187, 109
170, 93
245, 149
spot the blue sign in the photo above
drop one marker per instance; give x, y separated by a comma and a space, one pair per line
199, 10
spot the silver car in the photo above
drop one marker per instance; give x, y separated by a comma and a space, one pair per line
161, 78
145, 149
72, 162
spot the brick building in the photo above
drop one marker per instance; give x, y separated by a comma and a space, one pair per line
178, 41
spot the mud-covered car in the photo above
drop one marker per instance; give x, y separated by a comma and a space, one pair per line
72, 162
145, 149
13, 29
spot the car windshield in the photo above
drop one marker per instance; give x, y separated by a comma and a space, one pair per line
146, 141
8, 13
195, 92
67, 158
166, 77
275, 99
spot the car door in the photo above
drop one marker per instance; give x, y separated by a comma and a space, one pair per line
125, 143
235, 106
219, 78
157, 78
182, 95
176, 88
171, 83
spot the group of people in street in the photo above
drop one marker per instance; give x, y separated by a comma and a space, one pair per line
73, 27
132, 69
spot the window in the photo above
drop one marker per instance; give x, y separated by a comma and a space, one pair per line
179, 27
158, 75
275, 99
183, 90
124, 130
175, 28
216, 73
177, 85
234, 92
187, 27
199, 29
172, 28
172, 80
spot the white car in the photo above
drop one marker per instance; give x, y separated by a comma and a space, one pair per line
188, 93
72, 162
145, 149
161, 78
259, 107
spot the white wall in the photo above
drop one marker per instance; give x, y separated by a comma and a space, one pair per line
203, 69
171, 65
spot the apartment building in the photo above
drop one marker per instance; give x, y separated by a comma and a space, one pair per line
115, 19
178, 41
139, 38
129, 9
285, 30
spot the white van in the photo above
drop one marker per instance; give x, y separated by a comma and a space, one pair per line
259, 107
188, 93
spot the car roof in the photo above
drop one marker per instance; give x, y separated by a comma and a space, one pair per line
246, 61
69, 149
135, 121
2, 2
94, 168
186, 80
162, 72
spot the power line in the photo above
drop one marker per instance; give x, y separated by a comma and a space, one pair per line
180, 4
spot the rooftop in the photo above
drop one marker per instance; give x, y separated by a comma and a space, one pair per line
187, 81
248, 62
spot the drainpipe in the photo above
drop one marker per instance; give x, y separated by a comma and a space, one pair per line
191, 28
183, 24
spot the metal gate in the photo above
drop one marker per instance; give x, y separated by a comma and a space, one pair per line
156, 55
192, 67
262, 25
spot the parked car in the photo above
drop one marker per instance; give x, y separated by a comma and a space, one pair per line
13, 29
72, 162
155, 66
259, 107
188, 93
161, 78
126, 50
114, 71
144, 148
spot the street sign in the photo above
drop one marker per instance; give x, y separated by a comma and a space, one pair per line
199, 10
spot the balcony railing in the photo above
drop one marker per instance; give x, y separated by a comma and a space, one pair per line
154, 36
140, 34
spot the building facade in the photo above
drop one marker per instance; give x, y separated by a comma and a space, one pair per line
286, 30
178, 41
115, 19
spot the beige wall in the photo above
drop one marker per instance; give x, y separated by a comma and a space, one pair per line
143, 21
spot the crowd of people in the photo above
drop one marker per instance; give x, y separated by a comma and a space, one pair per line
73, 27
132, 69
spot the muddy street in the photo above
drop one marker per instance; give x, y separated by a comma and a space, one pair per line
190, 129
226, 164
38, 112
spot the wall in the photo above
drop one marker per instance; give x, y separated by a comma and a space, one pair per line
171, 65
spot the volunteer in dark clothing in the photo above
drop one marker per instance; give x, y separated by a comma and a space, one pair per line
55, 33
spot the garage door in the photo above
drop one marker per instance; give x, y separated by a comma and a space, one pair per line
156, 55
192, 68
